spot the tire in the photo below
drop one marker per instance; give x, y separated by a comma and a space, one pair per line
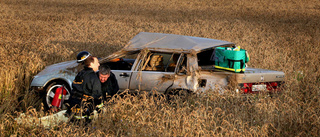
50, 92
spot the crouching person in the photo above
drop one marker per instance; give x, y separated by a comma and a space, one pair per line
109, 83
86, 91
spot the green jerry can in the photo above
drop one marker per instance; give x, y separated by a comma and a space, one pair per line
231, 59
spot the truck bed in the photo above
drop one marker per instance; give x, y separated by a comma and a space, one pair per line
255, 75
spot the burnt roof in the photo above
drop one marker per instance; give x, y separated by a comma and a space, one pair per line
172, 42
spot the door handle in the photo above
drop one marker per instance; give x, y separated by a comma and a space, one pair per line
124, 75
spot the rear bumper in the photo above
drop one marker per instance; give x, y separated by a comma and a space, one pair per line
261, 87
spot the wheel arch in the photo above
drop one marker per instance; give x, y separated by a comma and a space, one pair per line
170, 89
58, 80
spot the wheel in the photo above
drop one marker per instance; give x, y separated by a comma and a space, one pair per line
50, 92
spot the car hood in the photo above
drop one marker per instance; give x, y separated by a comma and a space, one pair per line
63, 67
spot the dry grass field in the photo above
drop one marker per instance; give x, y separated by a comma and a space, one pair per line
281, 35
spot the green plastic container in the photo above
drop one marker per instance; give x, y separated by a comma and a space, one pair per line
226, 58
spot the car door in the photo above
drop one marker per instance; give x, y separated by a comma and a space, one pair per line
123, 78
155, 71
122, 68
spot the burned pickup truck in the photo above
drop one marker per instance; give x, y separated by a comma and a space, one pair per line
167, 63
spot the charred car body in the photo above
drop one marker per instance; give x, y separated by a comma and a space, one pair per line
165, 63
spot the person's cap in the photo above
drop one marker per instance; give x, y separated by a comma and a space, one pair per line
83, 55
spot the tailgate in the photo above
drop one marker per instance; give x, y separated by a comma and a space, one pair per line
254, 75
258, 80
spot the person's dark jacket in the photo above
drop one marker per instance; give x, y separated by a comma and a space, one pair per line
111, 86
87, 83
